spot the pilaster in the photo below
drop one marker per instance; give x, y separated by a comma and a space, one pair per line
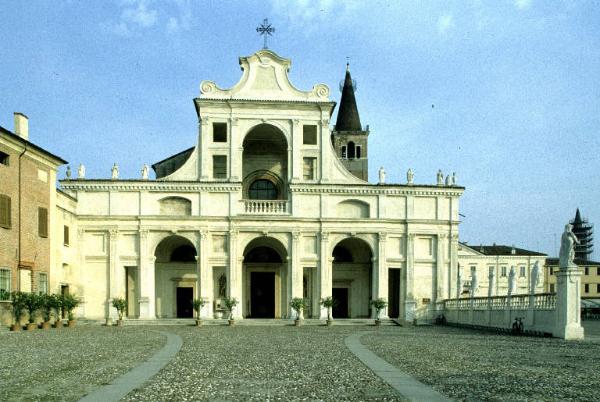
296, 161
235, 151
234, 274
205, 276
324, 272
381, 280
439, 268
146, 279
410, 302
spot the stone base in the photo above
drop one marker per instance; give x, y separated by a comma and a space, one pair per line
573, 332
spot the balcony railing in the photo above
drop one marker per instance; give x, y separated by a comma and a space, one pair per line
266, 207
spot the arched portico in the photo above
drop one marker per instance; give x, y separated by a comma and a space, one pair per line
175, 277
352, 278
264, 278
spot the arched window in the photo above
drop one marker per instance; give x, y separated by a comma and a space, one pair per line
351, 150
262, 189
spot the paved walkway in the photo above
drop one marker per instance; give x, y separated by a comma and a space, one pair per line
139, 374
406, 385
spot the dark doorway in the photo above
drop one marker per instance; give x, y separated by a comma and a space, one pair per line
262, 295
185, 298
340, 308
394, 293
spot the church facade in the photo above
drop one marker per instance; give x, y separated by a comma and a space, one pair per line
271, 203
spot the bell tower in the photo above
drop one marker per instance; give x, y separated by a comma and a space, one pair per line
349, 139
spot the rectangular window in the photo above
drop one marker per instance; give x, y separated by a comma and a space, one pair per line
551, 288
43, 283
66, 235
309, 135
473, 269
490, 269
43, 222
4, 159
358, 152
219, 132
5, 212
598, 271
587, 270
343, 152
598, 288
219, 166
25, 280
4, 283
503, 271
551, 271
309, 168
522, 272
586, 288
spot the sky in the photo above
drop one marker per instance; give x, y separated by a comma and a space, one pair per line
504, 93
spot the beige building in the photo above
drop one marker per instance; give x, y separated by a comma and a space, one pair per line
261, 208
590, 278
27, 211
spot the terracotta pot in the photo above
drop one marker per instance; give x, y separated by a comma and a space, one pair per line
231, 323
58, 324
31, 326
71, 323
198, 323
329, 323
46, 325
119, 323
297, 323
15, 327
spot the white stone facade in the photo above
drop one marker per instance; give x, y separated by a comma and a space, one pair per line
200, 231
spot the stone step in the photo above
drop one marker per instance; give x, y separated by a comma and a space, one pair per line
255, 322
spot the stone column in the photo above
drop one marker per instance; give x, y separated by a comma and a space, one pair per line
206, 285
234, 274
113, 277
568, 304
380, 276
296, 162
325, 272
146, 279
410, 302
296, 269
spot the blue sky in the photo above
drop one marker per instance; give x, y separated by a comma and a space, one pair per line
505, 93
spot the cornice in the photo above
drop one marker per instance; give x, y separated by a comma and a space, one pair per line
144, 185
370, 189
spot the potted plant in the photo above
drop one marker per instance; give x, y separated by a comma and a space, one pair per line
198, 304
120, 304
18, 308
378, 305
46, 308
297, 304
230, 304
32, 304
69, 302
56, 303
328, 302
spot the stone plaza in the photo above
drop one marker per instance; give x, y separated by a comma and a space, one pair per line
282, 362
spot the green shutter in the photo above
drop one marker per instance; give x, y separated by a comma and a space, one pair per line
5, 213
43, 222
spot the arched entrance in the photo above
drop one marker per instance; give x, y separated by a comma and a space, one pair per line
351, 278
175, 277
264, 278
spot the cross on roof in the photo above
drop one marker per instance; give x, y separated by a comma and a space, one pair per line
265, 29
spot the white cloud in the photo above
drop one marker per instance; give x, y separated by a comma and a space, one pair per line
306, 14
183, 20
138, 15
445, 22
523, 4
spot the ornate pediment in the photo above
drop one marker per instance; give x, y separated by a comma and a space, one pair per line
264, 77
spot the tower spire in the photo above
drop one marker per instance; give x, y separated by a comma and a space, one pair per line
348, 118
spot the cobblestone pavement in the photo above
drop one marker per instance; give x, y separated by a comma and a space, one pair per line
265, 363
68, 363
469, 365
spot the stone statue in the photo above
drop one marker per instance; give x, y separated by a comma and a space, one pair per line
81, 171
567, 247
410, 176
440, 178
491, 283
474, 283
454, 178
381, 175
511, 280
68, 173
222, 286
115, 171
448, 180
145, 172
535, 276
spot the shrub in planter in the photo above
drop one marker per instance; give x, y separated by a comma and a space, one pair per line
32, 303
121, 305
198, 304
69, 302
297, 304
18, 309
56, 303
230, 304
329, 302
46, 309
378, 305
